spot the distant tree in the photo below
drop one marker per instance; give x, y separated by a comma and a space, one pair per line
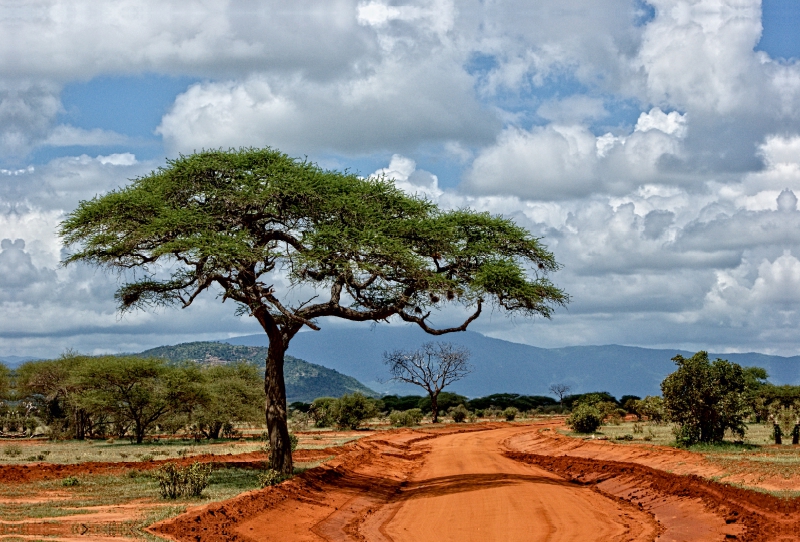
138, 391
230, 221
628, 402
560, 390
444, 402
352, 410
322, 411
505, 400
234, 393
705, 398
400, 403
431, 367
52, 386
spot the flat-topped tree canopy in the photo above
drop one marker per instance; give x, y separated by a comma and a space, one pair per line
234, 218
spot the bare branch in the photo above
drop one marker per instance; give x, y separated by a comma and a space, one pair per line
420, 321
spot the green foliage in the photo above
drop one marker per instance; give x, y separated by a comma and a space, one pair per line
350, 411
445, 401
510, 413
585, 418
405, 402
225, 220
705, 399
234, 393
458, 413
294, 440
651, 407
138, 391
271, 477
70, 481
304, 381
591, 398
406, 418
12, 450
323, 410
175, 481
505, 400
628, 402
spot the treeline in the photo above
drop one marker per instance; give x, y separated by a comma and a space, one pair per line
125, 396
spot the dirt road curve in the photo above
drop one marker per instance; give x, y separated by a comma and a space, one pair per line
468, 490
478, 484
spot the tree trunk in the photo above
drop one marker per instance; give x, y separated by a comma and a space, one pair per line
777, 433
435, 407
280, 455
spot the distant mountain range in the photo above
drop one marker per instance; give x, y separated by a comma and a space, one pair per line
502, 366
14, 361
304, 381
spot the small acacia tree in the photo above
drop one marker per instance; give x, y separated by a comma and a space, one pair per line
352, 248
431, 367
560, 390
705, 398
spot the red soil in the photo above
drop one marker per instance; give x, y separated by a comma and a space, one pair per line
32, 472
482, 483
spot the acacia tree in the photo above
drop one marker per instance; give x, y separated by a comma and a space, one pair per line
239, 222
431, 367
560, 390
705, 398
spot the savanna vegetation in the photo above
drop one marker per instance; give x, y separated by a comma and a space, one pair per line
226, 220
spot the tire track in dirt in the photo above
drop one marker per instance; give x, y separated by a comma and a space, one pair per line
465, 483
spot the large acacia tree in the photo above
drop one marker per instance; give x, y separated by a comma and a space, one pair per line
238, 222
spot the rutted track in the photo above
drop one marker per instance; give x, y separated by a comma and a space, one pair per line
480, 483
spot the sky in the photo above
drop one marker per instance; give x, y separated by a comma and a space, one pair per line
654, 146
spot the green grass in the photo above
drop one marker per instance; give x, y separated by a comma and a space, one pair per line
756, 456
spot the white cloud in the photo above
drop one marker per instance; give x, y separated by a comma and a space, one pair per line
672, 123
64, 136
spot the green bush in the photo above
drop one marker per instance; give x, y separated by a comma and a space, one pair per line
322, 411
70, 481
705, 399
170, 481
174, 481
13, 450
585, 418
459, 413
350, 411
406, 418
270, 477
510, 413
293, 441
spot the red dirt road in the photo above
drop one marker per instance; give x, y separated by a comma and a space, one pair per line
480, 483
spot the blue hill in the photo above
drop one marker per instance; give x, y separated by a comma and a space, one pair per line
502, 366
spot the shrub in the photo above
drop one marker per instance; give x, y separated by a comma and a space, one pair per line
195, 478
322, 411
585, 418
510, 413
294, 440
70, 481
406, 418
174, 481
13, 450
350, 411
270, 477
459, 413
170, 481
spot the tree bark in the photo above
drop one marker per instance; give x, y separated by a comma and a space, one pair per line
280, 455
435, 407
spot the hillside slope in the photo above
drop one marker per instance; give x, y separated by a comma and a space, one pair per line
304, 381
502, 366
